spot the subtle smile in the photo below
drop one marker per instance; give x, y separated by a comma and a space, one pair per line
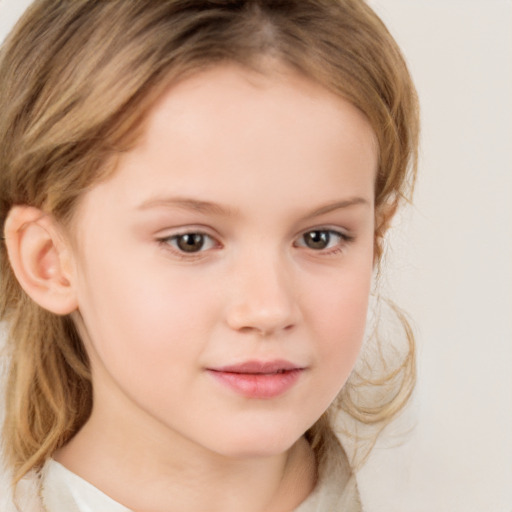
258, 379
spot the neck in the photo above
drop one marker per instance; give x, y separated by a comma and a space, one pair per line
146, 468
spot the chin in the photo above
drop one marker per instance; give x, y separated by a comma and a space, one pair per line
259, 443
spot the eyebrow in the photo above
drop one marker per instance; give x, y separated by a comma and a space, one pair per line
337, 205
187, 203
208, 207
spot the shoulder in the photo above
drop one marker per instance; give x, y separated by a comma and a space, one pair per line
24, 498
336, 489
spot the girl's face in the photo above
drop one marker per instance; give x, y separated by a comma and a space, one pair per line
223, 271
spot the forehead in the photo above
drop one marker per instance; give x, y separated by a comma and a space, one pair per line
218, 92
235, 109
229, 131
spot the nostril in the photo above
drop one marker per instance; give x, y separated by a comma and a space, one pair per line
264, 332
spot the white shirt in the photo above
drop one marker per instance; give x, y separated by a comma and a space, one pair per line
61, 490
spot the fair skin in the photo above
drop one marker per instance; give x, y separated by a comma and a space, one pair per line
240, 229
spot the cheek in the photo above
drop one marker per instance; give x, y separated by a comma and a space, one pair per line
338, 311
144, 319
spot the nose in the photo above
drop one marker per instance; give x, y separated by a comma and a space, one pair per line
263, 298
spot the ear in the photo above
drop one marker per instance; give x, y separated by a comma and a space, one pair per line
40, 259
384, 214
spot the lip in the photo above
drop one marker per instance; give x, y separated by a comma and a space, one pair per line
258, 379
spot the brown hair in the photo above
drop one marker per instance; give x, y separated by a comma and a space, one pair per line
77, 78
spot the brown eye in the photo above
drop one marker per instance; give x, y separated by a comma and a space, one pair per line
190, 242
317, 240
321, 239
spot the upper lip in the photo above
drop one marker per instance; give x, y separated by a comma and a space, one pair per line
258, 367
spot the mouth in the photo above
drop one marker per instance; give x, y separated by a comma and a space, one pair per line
258, 379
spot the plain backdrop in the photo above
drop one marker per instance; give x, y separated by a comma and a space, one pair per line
450, 262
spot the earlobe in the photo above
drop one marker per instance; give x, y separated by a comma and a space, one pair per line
40, 259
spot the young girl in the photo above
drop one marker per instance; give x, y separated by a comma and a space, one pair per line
193, 197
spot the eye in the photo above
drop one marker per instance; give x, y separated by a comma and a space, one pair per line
190, 242
321, 239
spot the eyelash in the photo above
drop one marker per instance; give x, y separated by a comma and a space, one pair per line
169, 241
343, 240
168, 244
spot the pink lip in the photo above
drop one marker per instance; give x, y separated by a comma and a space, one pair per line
258, 379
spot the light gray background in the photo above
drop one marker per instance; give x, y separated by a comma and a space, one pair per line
450, 264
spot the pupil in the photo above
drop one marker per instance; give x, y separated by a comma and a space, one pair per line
192, 242
317, 239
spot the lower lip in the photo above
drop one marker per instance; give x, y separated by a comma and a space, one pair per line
258, 385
